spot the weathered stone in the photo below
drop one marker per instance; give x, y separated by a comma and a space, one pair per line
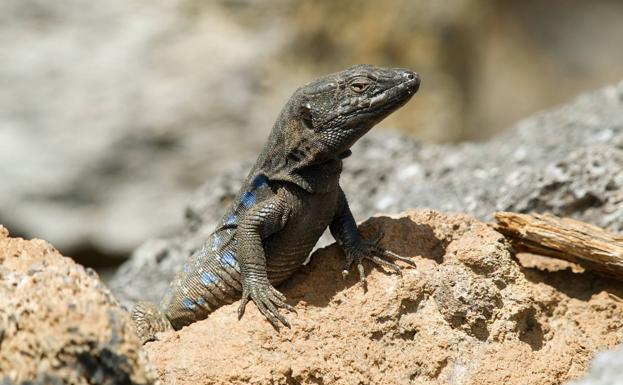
450, 320
60, 324
605, 369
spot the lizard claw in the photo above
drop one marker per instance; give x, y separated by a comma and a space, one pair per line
268, 300
371, 251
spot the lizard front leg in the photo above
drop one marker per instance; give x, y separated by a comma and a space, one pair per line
264, 219
344, 230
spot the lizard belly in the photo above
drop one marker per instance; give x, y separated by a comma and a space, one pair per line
286, 250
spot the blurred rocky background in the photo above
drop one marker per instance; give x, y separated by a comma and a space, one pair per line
113, 112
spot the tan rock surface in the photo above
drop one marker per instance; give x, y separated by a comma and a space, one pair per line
469, 314
59, 324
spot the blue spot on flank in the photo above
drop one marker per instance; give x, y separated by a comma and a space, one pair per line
231, 219
260, 181
201, 301
188, 303
186, 268
216, 242
229, 258
248, 199
208, 278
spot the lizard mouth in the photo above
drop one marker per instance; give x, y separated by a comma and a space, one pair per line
396, 96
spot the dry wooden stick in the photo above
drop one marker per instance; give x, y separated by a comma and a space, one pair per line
587, 245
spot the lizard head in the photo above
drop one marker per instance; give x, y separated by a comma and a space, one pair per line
324, 118
338, 109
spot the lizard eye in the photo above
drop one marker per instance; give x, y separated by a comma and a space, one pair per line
360, 85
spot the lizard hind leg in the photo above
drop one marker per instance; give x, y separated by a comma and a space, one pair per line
148, 320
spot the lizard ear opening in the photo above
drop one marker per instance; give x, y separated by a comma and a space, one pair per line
305, 114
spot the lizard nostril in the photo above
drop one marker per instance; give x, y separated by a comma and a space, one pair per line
412, 78
409, 75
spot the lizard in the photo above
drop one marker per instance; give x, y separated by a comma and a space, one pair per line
289, 198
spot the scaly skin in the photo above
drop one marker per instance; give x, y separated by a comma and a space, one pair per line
289, 198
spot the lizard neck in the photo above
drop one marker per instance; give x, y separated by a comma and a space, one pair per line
323, 177
295, 154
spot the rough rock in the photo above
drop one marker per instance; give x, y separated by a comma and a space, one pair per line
605, 369
567, 161
468, 314
60, 324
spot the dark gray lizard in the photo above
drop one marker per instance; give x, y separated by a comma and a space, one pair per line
289, 198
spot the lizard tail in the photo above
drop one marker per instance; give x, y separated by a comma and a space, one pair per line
148, 320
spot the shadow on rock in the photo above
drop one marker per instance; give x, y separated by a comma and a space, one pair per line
401, 235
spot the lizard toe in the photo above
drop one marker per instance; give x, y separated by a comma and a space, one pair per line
268, 300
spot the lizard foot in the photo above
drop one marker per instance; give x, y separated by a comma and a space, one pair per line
148, 320
371, 251
267, 299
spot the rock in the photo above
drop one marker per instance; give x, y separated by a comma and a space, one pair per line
605, 369
60, 324
467, 314
567, 161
